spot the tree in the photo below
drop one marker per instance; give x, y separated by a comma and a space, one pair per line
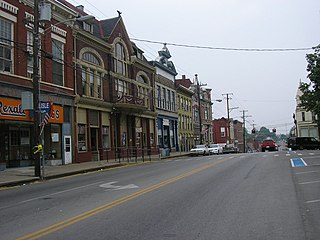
310, 98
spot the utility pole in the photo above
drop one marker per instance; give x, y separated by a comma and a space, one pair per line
228, 115
199, 85
36, 89
244, 129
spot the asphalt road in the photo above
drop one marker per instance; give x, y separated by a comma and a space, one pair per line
233, 196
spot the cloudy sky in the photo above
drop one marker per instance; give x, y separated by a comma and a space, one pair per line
262, 82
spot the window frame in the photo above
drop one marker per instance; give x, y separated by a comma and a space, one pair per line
120, 59
57, 62
6, 46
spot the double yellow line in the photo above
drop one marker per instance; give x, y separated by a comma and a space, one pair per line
70, 221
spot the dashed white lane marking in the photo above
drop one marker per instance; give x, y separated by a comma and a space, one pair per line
313, 201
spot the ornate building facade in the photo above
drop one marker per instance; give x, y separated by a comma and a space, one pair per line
165, 101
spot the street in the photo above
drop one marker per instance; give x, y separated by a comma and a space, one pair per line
231, 196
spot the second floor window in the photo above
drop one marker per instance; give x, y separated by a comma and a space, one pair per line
159, 96
91, 83
29, 54
5, 45
173, 101
57, 62
120, 64
223, 131
91, 75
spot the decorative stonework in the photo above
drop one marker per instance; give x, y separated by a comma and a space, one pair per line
9, 7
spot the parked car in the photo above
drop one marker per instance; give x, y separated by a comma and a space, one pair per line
303, 143
199, 150
269, 144
215, 148
230, 148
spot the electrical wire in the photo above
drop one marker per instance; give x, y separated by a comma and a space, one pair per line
228, 49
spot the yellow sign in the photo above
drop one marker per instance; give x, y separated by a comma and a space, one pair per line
37, 149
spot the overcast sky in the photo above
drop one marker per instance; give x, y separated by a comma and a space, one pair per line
263, 83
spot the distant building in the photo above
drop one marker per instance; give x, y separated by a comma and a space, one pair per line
306, 125
220, 132
165, 101
184, 108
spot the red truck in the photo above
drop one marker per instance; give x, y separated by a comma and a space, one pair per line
269, 144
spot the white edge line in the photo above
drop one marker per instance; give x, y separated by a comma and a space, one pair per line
303, 183
298, 173
291, 160
304, 162
313, 201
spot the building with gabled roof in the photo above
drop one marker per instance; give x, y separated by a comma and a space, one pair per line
115, 88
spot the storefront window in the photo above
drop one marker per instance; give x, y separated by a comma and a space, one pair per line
82, 146
55, 150
105, 136
19, 147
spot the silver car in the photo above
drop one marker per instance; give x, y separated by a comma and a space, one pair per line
199, 150
215, 149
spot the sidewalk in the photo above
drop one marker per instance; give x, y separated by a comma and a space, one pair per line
23, 175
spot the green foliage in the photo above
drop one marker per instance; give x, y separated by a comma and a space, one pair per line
310, 99
262, 134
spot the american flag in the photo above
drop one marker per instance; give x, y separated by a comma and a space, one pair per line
46, 117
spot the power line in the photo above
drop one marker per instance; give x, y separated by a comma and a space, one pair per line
228, 49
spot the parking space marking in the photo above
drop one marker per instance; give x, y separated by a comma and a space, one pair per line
298, 162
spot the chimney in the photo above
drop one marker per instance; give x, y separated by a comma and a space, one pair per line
183, 77
80, 7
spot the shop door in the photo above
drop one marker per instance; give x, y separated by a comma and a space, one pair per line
94, 139
67, 150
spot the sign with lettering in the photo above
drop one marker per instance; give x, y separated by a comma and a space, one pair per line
57, 114
11, 109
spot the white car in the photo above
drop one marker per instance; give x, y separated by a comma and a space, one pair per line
215, 149
199, 150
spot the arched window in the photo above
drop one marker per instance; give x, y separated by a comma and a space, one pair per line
143, 88
92, 72
120, 58
89, 57
141, 79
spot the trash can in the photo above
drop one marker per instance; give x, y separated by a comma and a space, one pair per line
167, 151
162, 152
